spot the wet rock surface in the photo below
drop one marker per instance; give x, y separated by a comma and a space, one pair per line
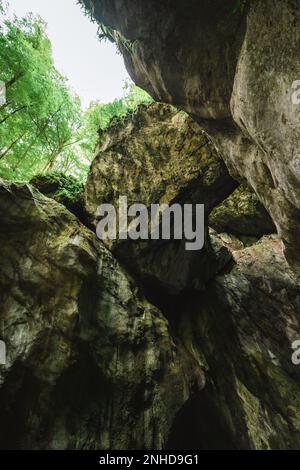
79, 333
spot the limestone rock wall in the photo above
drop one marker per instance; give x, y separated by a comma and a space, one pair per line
232, 66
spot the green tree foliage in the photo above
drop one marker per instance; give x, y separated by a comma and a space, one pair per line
77, 157
98, 115
39, 118
42, 125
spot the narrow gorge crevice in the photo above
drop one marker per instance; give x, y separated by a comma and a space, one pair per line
143, 344
199, 425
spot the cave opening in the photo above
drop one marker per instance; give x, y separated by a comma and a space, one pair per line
200, 425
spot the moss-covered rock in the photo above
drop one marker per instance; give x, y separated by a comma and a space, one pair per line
65, 189
241, 214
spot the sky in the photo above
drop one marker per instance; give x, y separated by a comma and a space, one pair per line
95, 70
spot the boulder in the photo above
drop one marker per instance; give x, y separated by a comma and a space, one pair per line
79, 333
158, 155
241, 214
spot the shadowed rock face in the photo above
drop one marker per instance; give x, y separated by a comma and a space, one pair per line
91, 364
232, 69
244, 326
183, 54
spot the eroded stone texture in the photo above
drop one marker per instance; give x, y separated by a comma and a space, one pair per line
240, 328
244, 326
262, 105
201, 57
91, 364
156, 155
182, 53
160, 156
